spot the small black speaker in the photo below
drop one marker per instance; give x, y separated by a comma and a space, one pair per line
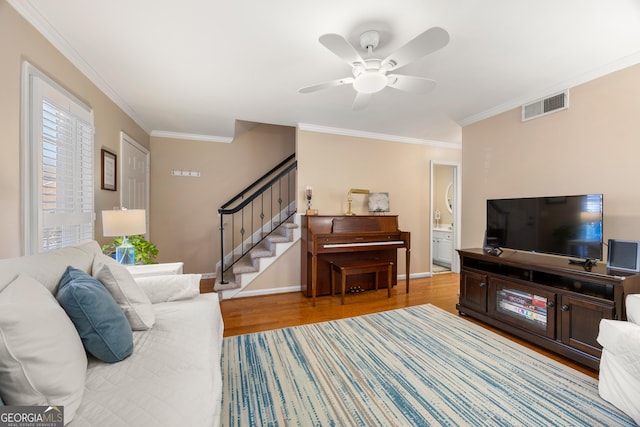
624, 255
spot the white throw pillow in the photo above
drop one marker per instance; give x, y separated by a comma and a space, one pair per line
172, 287
42, 360
632, 303
124, 289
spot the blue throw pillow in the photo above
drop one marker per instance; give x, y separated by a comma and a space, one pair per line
101, 324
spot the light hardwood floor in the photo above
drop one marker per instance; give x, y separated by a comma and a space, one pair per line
255, 314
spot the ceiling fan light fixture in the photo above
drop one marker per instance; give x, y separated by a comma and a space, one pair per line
370, 82
370, 74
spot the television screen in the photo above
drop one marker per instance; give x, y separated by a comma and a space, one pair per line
565, 225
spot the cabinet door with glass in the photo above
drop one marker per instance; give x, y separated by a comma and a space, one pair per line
523, 306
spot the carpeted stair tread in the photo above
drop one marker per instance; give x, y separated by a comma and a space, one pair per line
278, 238
282, 234
245, 265
290, 225
229, 277
227, 286
262, 250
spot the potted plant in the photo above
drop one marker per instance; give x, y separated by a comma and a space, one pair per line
146, 252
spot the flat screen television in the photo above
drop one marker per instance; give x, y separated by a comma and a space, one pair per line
560, 225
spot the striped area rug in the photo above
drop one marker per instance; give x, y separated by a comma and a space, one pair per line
416, 366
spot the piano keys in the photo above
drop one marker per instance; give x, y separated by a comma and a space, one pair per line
363, 244
345, 239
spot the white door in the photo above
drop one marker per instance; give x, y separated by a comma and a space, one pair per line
134, 178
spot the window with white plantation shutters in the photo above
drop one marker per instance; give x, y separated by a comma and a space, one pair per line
59, 199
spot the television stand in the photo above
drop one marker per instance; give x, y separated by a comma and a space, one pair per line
587, 264
543, 299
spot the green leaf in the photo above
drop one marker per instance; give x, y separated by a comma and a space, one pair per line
146, 252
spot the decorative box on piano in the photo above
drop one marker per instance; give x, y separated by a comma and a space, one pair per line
344, 239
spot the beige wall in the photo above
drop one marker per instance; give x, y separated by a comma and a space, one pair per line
19, 41
593, 147
184, 210
333, 164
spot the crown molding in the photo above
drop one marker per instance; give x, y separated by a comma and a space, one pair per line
191, 136
620, 64
379, 136
31, 15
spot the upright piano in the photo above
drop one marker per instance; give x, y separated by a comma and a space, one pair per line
345, 239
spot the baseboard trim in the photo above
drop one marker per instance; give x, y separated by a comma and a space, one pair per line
415, 275
271, 291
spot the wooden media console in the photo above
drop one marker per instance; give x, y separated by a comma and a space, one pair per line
544, 299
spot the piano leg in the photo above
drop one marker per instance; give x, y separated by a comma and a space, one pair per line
408, 254
389, 272
314, 278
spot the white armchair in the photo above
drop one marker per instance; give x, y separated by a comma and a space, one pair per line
620, 362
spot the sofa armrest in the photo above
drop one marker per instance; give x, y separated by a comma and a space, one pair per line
621, 339
619, 379
171, 287
632, 308
150, 270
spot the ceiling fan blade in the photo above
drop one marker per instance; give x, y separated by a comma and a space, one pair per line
326, 85
341, 47
431, 40
362, 101
412, 84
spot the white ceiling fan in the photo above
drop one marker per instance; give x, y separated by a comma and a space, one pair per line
371, 75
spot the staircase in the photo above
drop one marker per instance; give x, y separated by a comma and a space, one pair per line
256, 227
257, 259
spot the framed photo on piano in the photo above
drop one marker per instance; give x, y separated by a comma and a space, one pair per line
379, 202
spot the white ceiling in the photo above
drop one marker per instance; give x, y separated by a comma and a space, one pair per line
193, 67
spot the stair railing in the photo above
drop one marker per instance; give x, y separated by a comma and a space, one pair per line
257, 211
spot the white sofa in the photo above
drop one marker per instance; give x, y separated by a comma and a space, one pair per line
172, 378
619, 380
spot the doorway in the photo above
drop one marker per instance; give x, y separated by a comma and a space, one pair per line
134, 179
444, 217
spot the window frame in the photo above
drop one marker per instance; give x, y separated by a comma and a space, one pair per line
35, 87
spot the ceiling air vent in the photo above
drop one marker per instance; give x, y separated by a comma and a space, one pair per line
541, 107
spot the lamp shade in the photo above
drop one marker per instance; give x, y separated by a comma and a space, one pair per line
124, 222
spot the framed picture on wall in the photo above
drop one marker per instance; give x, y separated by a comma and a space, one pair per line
109, 170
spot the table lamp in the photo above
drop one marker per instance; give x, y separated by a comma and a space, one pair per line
124, 222
349, 212
308, 192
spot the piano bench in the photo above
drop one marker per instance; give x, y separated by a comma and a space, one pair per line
362, 267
